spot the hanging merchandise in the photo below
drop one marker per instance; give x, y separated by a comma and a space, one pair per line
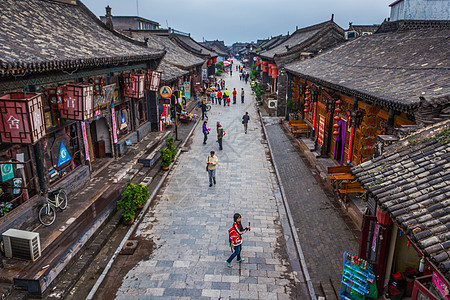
358, 279
123, 122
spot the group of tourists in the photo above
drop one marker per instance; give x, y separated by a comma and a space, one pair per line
217, 95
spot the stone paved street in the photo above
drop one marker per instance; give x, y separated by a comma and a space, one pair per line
322, 232
189, 222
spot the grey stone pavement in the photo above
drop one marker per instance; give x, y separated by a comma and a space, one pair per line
189, 222
323, 234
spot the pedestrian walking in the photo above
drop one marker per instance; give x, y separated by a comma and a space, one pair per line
240, 76
231, 71
246, 78
204, 107
234, 95
225, 97
213, 97
245, 120
228, 101
220, 134
211, 164
235, 238
219, 96
242, 95
205, 132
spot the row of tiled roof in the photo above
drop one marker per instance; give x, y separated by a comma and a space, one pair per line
40, 36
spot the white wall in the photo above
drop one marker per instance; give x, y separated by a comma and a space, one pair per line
421, 10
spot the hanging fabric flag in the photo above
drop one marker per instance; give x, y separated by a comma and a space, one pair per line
64, 155
7, 172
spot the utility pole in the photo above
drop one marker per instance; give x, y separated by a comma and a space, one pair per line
137, 7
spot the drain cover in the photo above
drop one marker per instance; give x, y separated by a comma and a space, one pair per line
129, 247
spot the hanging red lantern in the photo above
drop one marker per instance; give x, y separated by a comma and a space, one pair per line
338, 102
336, 118
337, 109
307, 92
336, 125
335, 132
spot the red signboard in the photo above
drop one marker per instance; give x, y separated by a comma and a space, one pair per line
21, 118
78, 102
321, 130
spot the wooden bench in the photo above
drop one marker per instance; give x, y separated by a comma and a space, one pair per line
339, 173
294, 123
350, 188
300, 128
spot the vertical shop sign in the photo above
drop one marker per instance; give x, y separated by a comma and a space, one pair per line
204, 74
321, 130
85, 140
7, 172
187, 90
64, 155
375, 237
441, 286
114, 125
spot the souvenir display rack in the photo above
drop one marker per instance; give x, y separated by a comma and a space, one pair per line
356, 278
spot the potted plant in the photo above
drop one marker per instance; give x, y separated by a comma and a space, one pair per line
137, 193
5, 207
166, 158
128, 208
170, 145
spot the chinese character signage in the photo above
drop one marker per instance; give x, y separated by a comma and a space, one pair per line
85, 140
441, 286
21, 118
154, 84
321, 130
78, 102
114, 124
105, 97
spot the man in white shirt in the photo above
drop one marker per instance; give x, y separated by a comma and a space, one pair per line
211, 164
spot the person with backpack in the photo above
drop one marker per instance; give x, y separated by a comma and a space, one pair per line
235, 238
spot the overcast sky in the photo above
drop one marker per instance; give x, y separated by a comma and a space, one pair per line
245, 20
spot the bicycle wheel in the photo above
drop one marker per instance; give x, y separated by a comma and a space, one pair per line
208, 107
62, 199
47, 214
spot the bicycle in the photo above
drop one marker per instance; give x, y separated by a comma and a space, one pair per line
47, 213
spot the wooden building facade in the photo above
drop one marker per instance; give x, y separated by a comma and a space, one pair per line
367, 87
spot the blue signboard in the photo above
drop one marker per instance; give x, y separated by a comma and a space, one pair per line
64, 155
7, 172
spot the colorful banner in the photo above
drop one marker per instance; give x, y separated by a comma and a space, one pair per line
114, 125
321, 130
441, 286
85, 140
187, 90
64, 155
7, 172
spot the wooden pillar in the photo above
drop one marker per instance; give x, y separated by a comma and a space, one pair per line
41, 169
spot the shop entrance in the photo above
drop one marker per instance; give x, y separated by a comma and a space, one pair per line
100, 138
339, 142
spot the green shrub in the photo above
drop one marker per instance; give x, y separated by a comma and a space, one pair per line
258, 89
136, 193
166, 157
170, 145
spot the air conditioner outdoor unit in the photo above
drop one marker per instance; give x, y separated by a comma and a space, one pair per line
22, 244
350, 35
272, 103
